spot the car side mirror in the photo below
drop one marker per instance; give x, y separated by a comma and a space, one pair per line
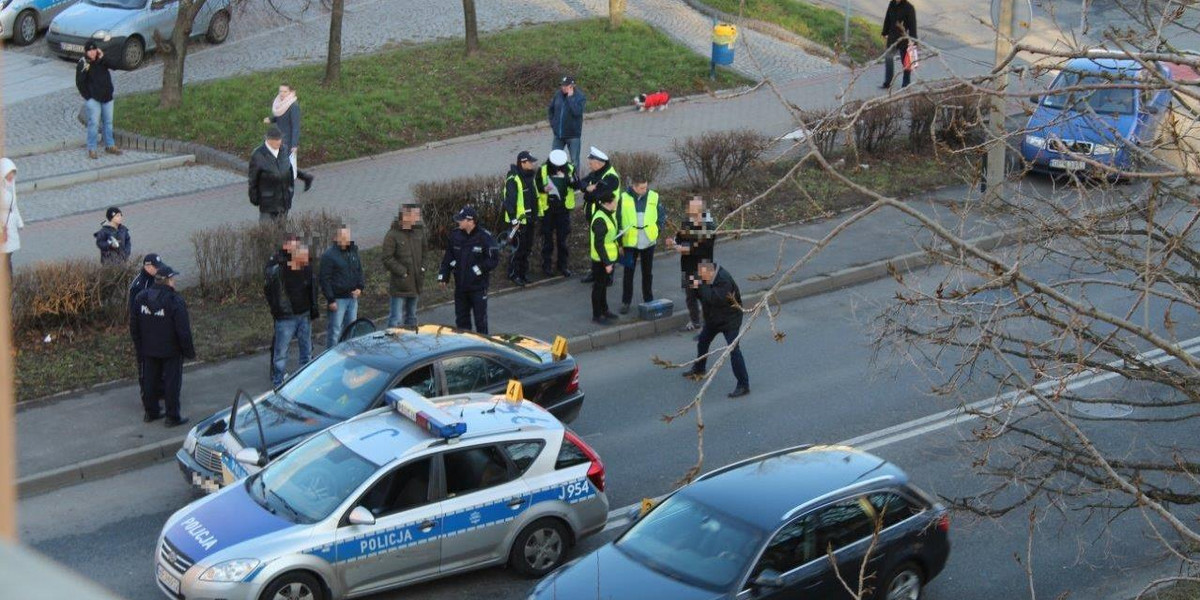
249, 456
361, 516
769, 578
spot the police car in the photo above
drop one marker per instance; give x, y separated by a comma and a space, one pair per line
418, 489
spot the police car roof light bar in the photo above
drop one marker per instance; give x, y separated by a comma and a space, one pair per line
426, 414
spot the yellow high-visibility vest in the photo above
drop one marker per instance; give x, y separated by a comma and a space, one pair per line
610, 236
629, 218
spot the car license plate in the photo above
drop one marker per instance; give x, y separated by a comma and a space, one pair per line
1066, 165
167, 579
72, 48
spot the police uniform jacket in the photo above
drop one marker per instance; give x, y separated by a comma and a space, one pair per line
162, 328
464, 252
606, 186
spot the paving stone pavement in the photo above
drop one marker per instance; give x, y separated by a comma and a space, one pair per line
74, 160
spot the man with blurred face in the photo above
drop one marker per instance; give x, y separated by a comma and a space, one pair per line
291, 292
342, 282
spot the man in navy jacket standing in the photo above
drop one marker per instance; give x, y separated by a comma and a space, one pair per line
566, 117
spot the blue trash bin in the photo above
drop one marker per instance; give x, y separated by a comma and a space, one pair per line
724, 35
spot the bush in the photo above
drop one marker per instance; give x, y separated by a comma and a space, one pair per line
70, 294
875, 127
826, 128
960, 118
230, 260
713, 160
635, 165
440, 200
534, 76
922, 113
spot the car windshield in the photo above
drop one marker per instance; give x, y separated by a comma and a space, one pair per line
337, 384
306, 484
1103, 101
130, 4
686, 540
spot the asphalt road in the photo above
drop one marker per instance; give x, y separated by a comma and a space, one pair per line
816, 385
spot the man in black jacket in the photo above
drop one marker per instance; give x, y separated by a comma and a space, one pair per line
601, 182
899, 26
272, 181
144, 279
520, 199
94, 82
471, 254
162, 334
722, 302
291, 291
342, 282
113, 238
694, 241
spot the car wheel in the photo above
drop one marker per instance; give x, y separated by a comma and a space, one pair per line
25, 28
904, 583
539, 548
218, 28
294, 586
133, 53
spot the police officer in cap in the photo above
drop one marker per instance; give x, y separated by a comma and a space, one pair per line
556, 184
471, 254
162, 335
601, 184
143, 281
520, 198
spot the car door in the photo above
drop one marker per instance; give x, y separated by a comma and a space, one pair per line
792, 554
470, 373
846, 529
482, 499
160, 17
405, 541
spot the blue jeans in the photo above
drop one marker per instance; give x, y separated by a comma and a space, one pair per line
285, 329
409, 308
889, 67
707, 333
99, 114
340, 319
572, 145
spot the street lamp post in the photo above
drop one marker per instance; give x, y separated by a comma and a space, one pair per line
997, 148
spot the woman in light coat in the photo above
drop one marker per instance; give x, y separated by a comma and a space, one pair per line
10, 215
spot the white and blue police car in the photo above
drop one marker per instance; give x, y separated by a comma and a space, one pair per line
408, 492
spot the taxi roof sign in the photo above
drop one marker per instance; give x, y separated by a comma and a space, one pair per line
426, 414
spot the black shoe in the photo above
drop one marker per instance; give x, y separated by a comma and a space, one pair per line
739, 391
601, 320
169, 422
611, 316
148, 418
565, 272
588, 278
624, 309
307, 179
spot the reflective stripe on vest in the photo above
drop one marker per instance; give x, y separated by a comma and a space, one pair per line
629, 218
610, 237
544, 197
520, 200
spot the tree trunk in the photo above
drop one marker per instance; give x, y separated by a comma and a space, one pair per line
472, 27
616, 13
333, 61
174, 52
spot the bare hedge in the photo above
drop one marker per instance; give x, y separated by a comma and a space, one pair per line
69, 294
440, 200
715, 159
636, 165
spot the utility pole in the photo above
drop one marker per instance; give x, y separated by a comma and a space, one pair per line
8, 406
997, 147
846, 32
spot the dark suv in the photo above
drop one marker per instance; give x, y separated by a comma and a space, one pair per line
765, 527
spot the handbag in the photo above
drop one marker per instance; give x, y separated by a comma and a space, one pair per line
910, 60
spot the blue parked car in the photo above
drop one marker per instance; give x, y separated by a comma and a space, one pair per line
763, 528
124, 29
21, 20
1070, 128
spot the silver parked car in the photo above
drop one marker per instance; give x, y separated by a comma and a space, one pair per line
124, 29
404, 493
21, 20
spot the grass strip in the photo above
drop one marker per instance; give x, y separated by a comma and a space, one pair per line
822, 25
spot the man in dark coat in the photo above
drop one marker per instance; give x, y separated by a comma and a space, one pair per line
471, 254
113, 238
601, 183
899, 26
404, 259
342, 282
285, 114
520, 200
694, 242
94, 82
722, 302
272, 181
162, 334
566, 117
291, 292
142, 282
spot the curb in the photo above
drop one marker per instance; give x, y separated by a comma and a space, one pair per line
104, 173
105, 466
46, 148
200, 154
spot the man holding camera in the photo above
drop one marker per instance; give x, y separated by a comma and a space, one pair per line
566, 117
94, 82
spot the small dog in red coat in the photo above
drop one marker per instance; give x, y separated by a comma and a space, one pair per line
656, 101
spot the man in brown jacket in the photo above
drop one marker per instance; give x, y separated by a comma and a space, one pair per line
404, 259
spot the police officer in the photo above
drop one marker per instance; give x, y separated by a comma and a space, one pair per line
162, 335
144, 279
556, 184
601, 182
520, 198
643, 218
603, 236
471, 254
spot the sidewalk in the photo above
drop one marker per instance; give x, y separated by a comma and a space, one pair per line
105, 428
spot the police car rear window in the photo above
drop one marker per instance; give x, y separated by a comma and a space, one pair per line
570, 455
523, 454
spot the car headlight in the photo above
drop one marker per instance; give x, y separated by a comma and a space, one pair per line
1103, 149
230, 570
1035, 141
102, 35
189, 442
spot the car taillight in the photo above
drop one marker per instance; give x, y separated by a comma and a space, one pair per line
573, 386
595, 472
943, 524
